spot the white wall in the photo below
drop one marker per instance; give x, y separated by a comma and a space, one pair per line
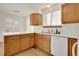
24, 21
28, 27
70, 29
4, 16
38, 29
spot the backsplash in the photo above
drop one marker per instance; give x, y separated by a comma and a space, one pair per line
67, 29
72, 29
37, 28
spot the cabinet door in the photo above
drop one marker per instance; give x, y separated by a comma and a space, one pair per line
36, 19
11, 45
77, 11
69, 13
31, 40
39, 40
25, 42
59, 46
46, 43
71, 42
36, 40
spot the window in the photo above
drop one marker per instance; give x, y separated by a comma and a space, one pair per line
52, 19
56, 18
47, 19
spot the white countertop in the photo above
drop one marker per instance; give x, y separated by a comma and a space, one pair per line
61, 35
18, 33
10, 33
65, 35
14, 33
1, 39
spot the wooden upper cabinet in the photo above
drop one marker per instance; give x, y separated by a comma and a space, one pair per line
70, 13
77, 12
36, 19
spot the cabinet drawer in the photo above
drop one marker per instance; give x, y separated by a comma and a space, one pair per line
46, 36
40, 36
11, 37
32, 35
25, 35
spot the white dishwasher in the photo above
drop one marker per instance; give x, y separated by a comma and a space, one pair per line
59, 46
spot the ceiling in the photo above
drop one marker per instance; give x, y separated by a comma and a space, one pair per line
22, 9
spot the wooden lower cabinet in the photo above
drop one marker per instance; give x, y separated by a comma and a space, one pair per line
24, 42
38, 40
31, 41
71, 42
43, 42
11, 45
46, 43
17, 43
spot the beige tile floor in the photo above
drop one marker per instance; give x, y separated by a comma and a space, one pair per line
32, 52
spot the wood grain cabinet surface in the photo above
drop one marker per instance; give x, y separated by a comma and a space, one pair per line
71, 42
70, 13
31, 40
39, 41
25, 41
47, 43
36, 19
11, 45
17, 43
43, 42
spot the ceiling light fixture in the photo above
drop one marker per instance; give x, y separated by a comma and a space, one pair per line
48, 5
16, 11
